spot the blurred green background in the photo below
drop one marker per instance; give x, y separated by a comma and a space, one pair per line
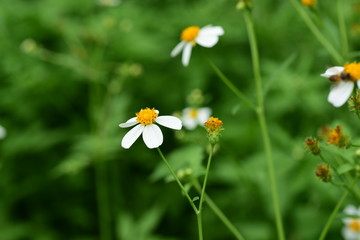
71, 71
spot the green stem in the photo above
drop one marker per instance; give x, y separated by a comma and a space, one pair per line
205, 178
334, 212
342, 29
262, 122
178, 181
199, 217
219, 213
231, 86
199, 221
315, 30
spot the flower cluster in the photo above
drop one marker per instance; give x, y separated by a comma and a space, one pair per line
338, 138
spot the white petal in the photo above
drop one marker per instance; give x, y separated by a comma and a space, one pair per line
131, 136
348, 234
204, 114
210, 30
189, 123
177, 49
170, 122
186, 54
152, 136
358, 84
207, 41
350, 210
209, 36
340, 93
129, 123
332, 71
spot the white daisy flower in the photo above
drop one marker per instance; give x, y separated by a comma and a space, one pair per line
351, 230
207, 36
192, 117
145, 124
344, 78
2, 132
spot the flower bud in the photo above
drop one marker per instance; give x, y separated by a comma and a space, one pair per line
323, 172
213, 127
312, 145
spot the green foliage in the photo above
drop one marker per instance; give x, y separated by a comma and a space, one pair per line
71, 71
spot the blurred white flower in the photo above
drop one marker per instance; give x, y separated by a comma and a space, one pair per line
109, 3
207, 36
145, 124
344, 78
192, 117
351, 230
2, 132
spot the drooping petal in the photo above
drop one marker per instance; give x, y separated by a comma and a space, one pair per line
358, 84
340, 93
332, 71
177, 49
152, 136
131, 136
129, 123
170, 122
186, 54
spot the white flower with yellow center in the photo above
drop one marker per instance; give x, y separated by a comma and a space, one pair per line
192, 117
207, 36
351, 230
344, 78
2, 132
145, 124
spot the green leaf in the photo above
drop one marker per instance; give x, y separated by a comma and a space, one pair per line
345, 168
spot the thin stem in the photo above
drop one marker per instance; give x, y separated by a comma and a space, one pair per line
262, 122
199, 221
178, 181
199, 217
231, 86
342, 29
334, 212
315, 30
219, 213
205, 178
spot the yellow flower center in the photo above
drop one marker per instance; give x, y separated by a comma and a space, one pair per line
354, 225
147, 116
193, 113
334, 135
353, 69
190, 33
213, 124
308, 2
